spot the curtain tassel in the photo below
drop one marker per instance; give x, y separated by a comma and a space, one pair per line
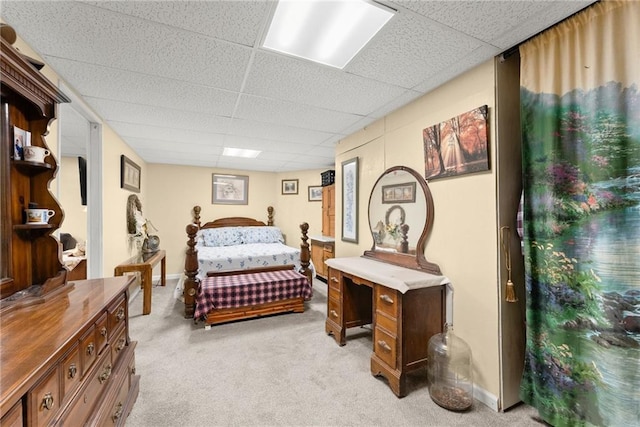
505, 234
511, 292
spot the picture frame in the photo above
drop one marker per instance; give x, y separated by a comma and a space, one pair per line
315, 193
399, 193
130, 174
289, 186
229, 189
350, 200
21, 138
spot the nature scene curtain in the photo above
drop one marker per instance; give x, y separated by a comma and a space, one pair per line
581, 135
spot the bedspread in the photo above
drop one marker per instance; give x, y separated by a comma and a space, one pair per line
240, 290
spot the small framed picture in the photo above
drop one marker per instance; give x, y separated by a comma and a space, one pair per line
399, 193
21, 139
289, 186
230, 189
315, 193
129, 174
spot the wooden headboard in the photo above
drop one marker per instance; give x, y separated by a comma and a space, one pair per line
233, 221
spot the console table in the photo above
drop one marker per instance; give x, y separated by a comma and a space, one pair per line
144, 264
406, 307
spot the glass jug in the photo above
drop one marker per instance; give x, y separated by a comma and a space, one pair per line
450, 371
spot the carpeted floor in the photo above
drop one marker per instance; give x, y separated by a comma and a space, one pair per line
280, 370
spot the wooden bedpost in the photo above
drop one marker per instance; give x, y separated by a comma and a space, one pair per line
270, 216
191, 283
196, 215
305, 255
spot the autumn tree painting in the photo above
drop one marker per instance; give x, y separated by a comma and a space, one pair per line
457, 146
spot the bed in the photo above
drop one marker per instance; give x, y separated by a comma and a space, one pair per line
247, 257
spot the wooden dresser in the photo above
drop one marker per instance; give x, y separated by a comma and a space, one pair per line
67, 359
406, 307
322, 249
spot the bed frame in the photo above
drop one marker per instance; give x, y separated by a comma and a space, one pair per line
192, 283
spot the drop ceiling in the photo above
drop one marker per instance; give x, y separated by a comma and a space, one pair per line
180, 80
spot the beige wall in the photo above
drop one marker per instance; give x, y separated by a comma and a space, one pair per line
463, 239
75, 215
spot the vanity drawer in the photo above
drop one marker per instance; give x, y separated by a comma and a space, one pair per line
384, 345
88, 349
44, 399
386, 301
387, 323
334, 311
71, 373
334, 279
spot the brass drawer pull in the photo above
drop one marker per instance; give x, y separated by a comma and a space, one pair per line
118, 413
333, 279
90, 348
120, 314
73, 370
104, 376
386, 298
334, 313
121, 343
47, 401
103, 331
384, 345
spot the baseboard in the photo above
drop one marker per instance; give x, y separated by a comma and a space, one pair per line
483, 396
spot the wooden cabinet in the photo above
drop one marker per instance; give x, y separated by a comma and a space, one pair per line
322, 249
29, 255
329, 210
69, 358
402, 322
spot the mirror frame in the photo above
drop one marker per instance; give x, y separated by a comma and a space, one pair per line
419, 261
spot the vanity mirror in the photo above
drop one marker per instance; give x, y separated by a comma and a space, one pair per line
400, 219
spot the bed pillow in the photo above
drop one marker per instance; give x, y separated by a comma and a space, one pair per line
223, 236
261, 235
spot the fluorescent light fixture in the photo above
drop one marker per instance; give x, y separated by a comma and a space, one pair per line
330, 32
240, 152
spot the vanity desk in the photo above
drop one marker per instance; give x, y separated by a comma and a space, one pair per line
404, 297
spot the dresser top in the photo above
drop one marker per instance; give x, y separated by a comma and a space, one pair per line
392, 276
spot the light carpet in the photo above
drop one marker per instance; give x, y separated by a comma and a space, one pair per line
281, 370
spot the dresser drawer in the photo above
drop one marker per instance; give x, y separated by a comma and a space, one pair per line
13, 418
386, 301
334, 279
71, 372
118, 344
334, 311
44, 399
384, 346
88, 349
102, 332
387, 323
117, 315
328, 250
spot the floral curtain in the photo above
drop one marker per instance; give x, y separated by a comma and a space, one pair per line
581, 134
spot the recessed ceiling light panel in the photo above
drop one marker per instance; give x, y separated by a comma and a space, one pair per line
330, 32
240, 152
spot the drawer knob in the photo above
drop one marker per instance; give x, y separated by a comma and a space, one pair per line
120, 314
334, 313
384, 345
386, 298
120, 345
73, 370
90, 349
47, 401
104, 376
118, 413
334, 279
103, 331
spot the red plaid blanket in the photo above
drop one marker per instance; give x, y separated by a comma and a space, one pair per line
240, 290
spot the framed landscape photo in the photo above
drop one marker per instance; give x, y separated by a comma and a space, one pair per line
289, 186
129, 174
399, 193
230, 189
315, 193
350, 200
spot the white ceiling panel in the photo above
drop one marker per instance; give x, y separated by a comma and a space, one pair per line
174, 73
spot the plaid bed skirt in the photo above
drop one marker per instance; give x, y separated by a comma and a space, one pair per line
241, 290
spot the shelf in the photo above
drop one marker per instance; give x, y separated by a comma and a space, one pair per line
31, 168
29, 231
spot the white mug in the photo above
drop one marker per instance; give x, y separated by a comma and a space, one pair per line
34, 153
39, 216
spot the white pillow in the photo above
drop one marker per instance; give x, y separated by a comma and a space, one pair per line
223, 236
265, 234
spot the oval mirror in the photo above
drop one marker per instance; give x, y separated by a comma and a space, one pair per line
400, 219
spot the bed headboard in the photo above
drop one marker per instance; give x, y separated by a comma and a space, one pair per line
233, 221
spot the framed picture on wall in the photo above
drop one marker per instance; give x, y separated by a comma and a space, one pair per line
129, 174
230, 189
350, 200
315, 193
399, 193
289, 186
